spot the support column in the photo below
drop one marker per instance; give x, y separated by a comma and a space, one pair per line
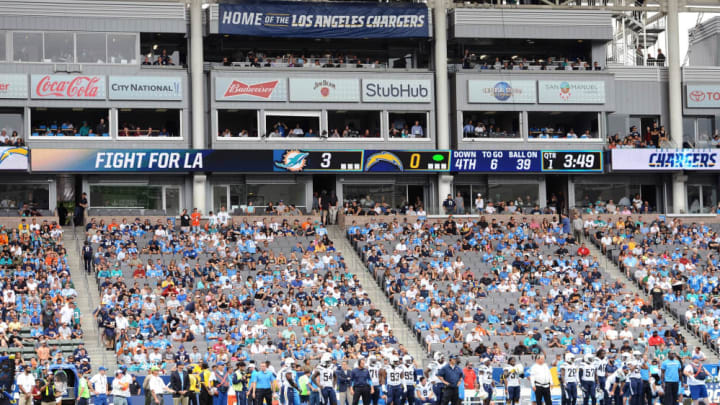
675, 99
442, 94
197, 92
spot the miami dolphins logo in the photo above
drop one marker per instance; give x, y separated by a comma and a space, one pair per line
385, 157
293, 161
13, 151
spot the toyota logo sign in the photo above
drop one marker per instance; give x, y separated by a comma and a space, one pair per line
697, 96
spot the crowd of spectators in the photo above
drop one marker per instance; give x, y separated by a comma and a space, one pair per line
39, 312
484, 62
625, 206
655, 136
324, 60
68, 128
484, 129
560, 131
132, 130
516, 287
7, 139
163, 59
229, 290
675, 261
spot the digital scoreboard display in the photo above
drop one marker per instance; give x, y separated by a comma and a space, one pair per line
318, 160
526, 161
407, 161
572, 161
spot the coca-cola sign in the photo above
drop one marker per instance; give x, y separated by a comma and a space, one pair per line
257, 88
68, 87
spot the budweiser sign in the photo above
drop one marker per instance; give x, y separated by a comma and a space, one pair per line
262, 90
74, 87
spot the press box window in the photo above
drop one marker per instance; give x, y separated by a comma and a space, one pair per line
160, 122
563, 125
14, 196
27, 46
296, 125
491, 124
237, 123
59, 47
2, 46
69, 122
408, 124
122, 48
354, 124
91, 48
254, 198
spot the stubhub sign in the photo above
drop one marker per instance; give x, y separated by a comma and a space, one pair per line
396, 91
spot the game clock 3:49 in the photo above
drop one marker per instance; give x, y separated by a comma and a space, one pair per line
572, 161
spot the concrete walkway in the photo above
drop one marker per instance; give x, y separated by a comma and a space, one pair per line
402, 332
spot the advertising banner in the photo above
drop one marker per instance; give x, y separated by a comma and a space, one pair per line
324, 20
14, 158
396, 91
666, 159
265, 160
145, 88
502, 91
702, 96
571, 92
67, 87
13, 86
251, 89
324, 90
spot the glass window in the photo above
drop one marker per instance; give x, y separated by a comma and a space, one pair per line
354, 124
14, 196
238, 196
2, 45
278, 126
621, 195
160, 122
705, 131
262, 194
147, 197
59, 47
689, 130
91, 48
694, 198
172, 200
122, 48
368, 195
27, 46
563, 125
61, 122
491, 124
219, 197
408, 125
237, 123
504, 196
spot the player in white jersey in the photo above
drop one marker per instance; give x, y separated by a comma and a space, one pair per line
635, 364
512, 373
289, 390
601, 372
486, 379
435, 366
394, 381
409, 379
424, 394
324, 377
588, 378
615, 385
377, 374
568, 374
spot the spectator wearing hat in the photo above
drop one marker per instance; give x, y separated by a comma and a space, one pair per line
48, 393
451, 376
100, 387
121, 388
156, 386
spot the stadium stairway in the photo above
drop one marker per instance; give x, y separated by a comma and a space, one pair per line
617, 274
87, 301
402, 331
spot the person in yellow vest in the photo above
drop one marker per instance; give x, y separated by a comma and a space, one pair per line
83, 389
239, 383
194, 384
207, 391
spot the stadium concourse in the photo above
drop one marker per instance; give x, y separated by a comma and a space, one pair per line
287, 298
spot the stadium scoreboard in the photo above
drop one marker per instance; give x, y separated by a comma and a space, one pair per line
526, 161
